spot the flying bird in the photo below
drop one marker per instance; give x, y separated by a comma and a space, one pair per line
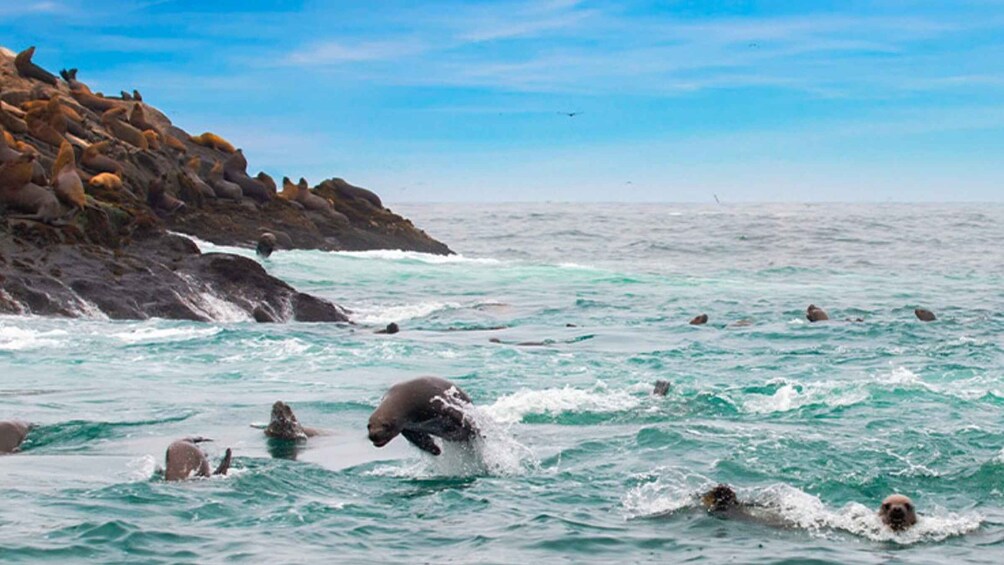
570, 114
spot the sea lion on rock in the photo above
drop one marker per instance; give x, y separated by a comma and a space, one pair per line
19, 192
391, 329
661, 388
349, 192
93, 102
898, 512
10, 122
184, 458
107, 181
300, 193
65, 179
158, 198
419, 409
269, 183
266, 245
136, 95
235, 170
70, 76
815, 314
42, 127
222, 187
94, 159
924, 315
112, 120
137, 117
284, 425
152, 139
12, 434
213, 141
699, 320
190, 177
173, 142
26, 68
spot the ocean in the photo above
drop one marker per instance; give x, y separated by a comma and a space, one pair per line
813, 424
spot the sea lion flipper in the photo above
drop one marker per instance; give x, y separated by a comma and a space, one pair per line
225, 463
422, 441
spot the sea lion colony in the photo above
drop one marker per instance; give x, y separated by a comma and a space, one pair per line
38, 123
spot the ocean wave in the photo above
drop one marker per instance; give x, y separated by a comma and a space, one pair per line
13, 338
556, 401
417, 257
384, 314
164, 335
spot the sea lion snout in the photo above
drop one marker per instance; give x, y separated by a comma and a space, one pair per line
380, 433
897, 512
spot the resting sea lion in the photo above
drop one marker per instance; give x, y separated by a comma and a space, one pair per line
222, 187
65, 179
897, 512
391, 329
158, 198
185, 458
300, 193
269, 183
351, 192
699, 320
924, 315
284, 425
190, 176
112, 120
138, 119
92, 101
28, 69
107, 181
44, 128
10, 122
661, 388
266, 244
152, 139
235, 170
173, 142
419, 409
17, 191
213, 141
94, 159
12, 434
125, 96
70, 76
815, 314
136, 95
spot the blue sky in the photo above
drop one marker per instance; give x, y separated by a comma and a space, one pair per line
461, 101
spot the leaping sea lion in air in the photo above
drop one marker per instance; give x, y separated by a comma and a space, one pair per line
419, 409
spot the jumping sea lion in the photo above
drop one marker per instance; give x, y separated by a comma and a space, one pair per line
815, 314
94, 159
65, 179
112, 120
699, 320
28, 69
419, 409
266, 244
925, 315
185, 458
284, 425
661, 388
391, 329
213, 141
897, 512
235, 170
12, 434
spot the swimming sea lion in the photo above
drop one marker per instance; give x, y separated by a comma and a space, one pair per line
266, 244
185, 458
391, 329
925, 315
12, 434
235, 170
815, 314
112, 120
897, 512
419, 409
28, 69
661, 388
284, 425
213, 141
699, 320
65, 179
94, 159
721, 498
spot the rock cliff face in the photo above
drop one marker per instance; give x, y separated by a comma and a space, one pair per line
107, 250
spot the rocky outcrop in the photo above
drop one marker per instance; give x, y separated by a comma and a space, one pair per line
144, 178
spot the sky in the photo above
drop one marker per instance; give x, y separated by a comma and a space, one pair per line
674, 101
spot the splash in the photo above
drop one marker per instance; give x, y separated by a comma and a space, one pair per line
555, 401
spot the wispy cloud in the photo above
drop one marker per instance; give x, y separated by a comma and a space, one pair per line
334, 52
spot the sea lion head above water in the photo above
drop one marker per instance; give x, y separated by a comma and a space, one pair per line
283, 423
815, 314
720, 499
184, 459
897, 512
391, 329
699, 320
661, 388
266, 244
924, 315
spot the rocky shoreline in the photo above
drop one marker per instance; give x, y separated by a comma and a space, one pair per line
107, 250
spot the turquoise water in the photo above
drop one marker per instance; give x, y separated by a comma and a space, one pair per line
815, 423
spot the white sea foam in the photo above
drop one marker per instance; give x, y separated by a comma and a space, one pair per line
143, 468
415, 256
384, 314
161, 335
553, 401
792, 396
13, 338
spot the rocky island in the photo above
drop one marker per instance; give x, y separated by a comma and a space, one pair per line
96, 192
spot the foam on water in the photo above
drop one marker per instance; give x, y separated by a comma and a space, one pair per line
14, 338
555, 401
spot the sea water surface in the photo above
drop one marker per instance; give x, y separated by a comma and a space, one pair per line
816, 423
